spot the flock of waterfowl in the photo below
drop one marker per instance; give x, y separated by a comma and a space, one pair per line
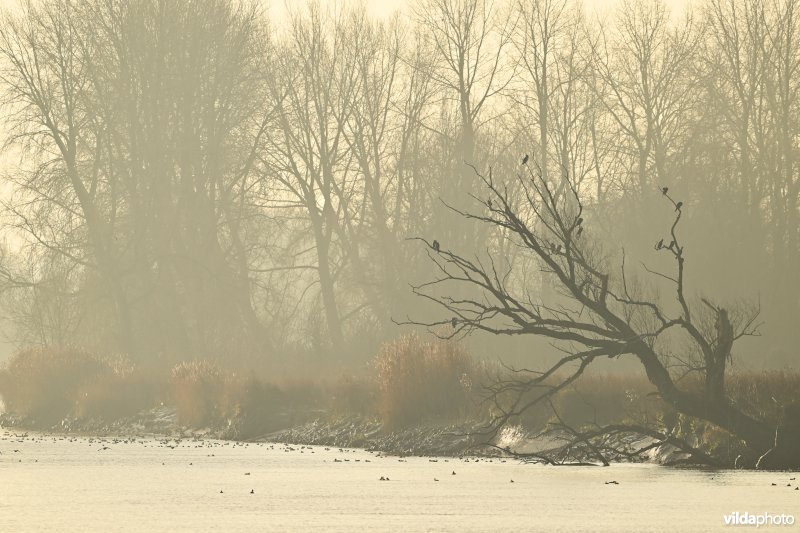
10, 446
789, 485
102, 444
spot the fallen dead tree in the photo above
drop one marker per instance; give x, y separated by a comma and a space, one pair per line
597, 313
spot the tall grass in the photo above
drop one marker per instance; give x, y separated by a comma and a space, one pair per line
45, 384
763, 394
351, 395
421, 380
411, 381
197, 391
119, 396
600, 399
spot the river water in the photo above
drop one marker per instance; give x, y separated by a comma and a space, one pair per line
63, 483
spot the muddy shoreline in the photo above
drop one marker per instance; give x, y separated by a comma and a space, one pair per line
313, 428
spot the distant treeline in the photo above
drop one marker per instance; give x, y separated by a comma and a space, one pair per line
188, 179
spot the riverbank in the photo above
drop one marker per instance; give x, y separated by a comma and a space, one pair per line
308, 429
318, 429
419, 398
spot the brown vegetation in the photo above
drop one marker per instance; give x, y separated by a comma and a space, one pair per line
45, 383
197, 388
419, 380
119, 396
413, 382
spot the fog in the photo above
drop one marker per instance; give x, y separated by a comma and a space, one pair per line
206, 182
387, 264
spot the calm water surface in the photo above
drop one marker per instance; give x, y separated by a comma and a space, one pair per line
54, 483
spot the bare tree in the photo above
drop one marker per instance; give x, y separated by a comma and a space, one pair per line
548, 44
191, 182
314, 90
600, 314
50, 109
131, 110
471, 68
643, 61
750, 73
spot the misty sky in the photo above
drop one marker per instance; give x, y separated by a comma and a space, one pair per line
387, 7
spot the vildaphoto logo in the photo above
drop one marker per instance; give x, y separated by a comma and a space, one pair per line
763, 519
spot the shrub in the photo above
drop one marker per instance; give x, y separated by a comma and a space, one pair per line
251, 406
594, 399
197, 390
44, 384
420, 380
608, 398
625, 398
762, 394
120, 395
303, 393
353, 395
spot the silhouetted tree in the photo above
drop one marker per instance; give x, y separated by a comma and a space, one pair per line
599, 314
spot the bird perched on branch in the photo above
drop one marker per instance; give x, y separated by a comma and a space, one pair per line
664, 190
579, 221
678, 206
454, 322
435, 245
489, 203
525, 160
660, 244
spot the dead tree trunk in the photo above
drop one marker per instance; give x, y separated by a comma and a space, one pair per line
600, 316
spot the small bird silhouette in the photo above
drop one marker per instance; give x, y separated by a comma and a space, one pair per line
252, 491
664, 190
454, 472
489, 203
435, 479
454, 322
525, 160
435, 245
660, 244
579, 221
678, 206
